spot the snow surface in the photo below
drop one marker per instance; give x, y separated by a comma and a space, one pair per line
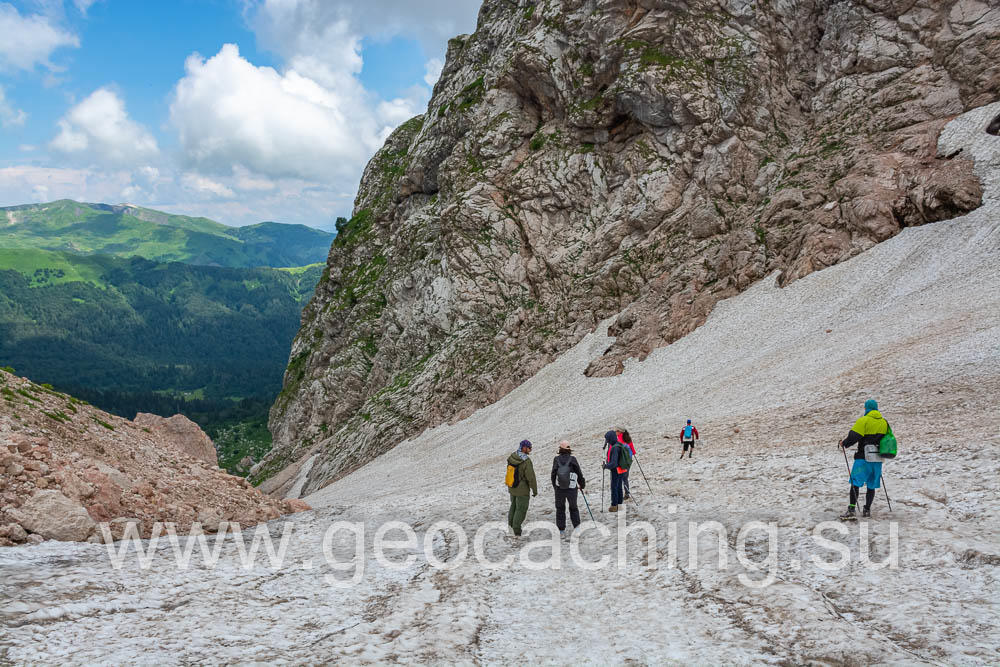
914, 322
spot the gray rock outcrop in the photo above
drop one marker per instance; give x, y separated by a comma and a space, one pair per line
649, 158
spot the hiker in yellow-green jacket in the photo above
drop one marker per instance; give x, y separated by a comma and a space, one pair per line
520, 483
866, 433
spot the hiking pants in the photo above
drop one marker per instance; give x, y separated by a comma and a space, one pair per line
562, 497
518, 510
686, 445
625, 486
617, 494
869, 496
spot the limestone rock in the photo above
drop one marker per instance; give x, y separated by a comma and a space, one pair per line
209, 520
293, 505
181, 433
580, 160
13, 532
55, 517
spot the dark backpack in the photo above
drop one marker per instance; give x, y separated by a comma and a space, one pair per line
563, 473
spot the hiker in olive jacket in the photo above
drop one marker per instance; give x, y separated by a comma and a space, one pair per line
526, 483
866, 433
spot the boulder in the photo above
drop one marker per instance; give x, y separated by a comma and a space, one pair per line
293, 505
209, 520
55, 517
13, 532
182, 434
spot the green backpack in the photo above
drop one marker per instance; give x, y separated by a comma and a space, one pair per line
625, 458
887, 445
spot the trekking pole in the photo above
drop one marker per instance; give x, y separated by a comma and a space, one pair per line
845, 461
886, 491
602, 487
646, 479
588, 505
628, 492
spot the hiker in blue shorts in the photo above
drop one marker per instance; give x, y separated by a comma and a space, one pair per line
866, 433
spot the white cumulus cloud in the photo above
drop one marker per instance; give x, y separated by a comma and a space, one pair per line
99, 128
245, 180
299, 26
29, 40
228, 112
432, 71
204, 185
83, 5
46, 183
250, 127
249, 142
9, 116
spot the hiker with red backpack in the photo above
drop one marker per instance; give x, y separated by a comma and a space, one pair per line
618, 462
520, 482
625, 439
688, 436
567, 477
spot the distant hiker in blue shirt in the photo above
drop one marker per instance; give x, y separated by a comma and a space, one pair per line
866, 433
688, 435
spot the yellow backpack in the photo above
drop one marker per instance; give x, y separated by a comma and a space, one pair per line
513, 475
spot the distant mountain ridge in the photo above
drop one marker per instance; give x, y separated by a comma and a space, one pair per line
135, 325
126, 230
133, 335
138, 310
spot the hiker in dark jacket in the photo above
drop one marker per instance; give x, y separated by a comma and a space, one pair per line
625, 439
526, 483
566, 478
866, 433
614, 453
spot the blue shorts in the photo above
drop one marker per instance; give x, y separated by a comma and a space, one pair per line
867, 474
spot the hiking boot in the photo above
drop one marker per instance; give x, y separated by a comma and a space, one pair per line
690, 455
562, 533
849, 515
626, 498
682, 455
613, 508
866, 513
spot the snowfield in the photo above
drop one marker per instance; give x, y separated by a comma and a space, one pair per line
773, 381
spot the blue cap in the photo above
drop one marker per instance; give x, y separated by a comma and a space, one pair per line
689, 421
525, 443
871, 404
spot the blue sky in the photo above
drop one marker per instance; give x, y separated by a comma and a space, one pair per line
239, 110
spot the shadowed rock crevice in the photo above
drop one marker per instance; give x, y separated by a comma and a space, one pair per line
994, 126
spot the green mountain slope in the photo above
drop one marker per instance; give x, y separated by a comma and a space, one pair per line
134, 335
137, 325
125, 230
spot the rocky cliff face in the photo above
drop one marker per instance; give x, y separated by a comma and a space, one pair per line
646, 158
